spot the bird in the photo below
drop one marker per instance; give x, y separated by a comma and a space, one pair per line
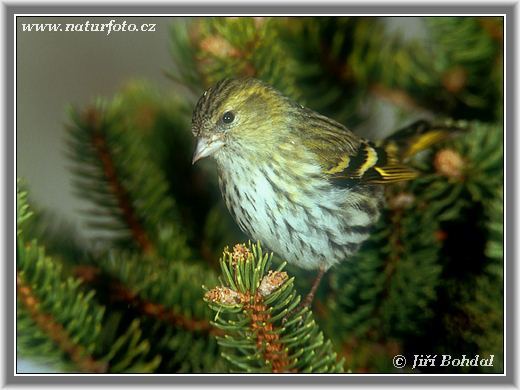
299, 182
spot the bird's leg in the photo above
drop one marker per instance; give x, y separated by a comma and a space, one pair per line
307, 302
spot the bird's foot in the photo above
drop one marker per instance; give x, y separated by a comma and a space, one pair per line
309, 298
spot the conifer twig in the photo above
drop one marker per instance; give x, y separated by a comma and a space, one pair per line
123, 200
161, 312
56, 332
262, 326
251, 305
119, 293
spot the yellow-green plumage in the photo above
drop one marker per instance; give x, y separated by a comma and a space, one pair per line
299, 182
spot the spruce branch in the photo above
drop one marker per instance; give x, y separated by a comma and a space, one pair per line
90, 145
23, 212
53, 307
55, 331
343, 59
251, 305
99, 141
149, 280
184, 34
483, 306
465, 170
409, 250
387, 292
163, 314
121, 293
158, 311
60, 322
115, 172
242, 47
323, 75
155, 286
163, 296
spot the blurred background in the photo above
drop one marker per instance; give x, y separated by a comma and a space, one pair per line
56, 70
410, 290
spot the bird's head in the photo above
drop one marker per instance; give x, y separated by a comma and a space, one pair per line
238, 116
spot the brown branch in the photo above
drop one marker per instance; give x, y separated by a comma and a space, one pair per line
267, 340
351, 346
56, 332
99, 142
161, 312
395, 256
397, 246
121, 294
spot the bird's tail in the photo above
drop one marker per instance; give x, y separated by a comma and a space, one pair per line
420, 135
393, 152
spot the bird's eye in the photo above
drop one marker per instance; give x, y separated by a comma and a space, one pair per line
228, 117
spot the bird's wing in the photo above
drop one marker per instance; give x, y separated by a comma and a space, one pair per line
369, 164
346, 158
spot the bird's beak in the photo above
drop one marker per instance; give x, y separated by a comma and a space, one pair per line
206, 148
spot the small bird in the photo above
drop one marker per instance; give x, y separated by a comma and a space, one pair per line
299, 182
